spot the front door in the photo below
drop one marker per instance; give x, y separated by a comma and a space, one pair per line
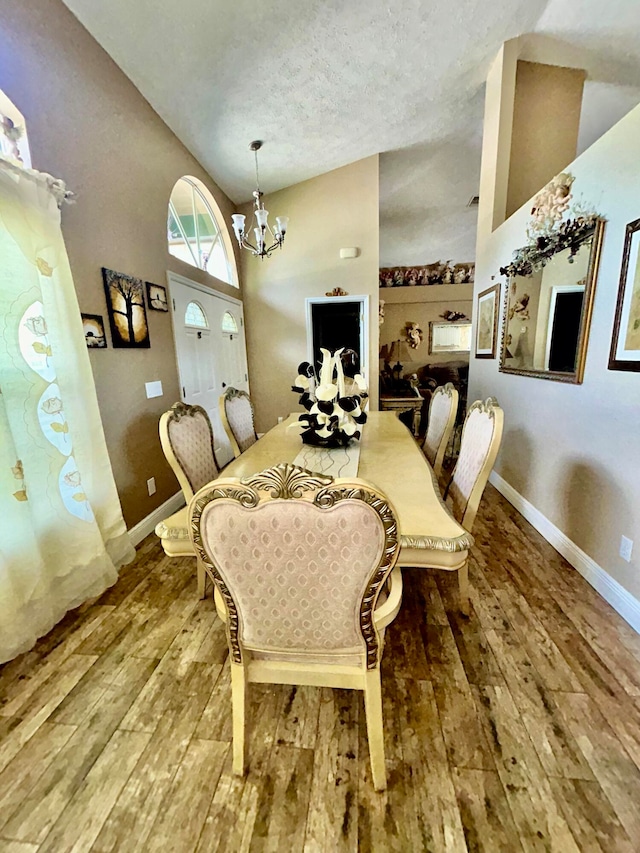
211, 352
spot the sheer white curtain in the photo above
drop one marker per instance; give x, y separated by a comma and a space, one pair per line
62, 535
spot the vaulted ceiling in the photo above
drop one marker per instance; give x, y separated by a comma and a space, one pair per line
328, 82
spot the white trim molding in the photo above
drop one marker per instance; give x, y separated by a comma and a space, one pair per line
143, 528
614, 593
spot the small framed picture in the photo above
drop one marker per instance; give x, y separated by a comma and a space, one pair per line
449, 337
125, 308
93, 326
625, 342
157, 297
487, 324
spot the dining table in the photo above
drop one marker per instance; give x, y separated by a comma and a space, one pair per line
389, 458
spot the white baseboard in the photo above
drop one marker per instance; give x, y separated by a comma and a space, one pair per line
614, 593
143, 528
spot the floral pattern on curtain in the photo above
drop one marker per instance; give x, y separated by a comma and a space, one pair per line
62, 535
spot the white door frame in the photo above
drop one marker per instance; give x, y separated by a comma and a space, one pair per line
363, 299
559, 288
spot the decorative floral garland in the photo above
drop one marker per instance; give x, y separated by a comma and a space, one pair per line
570, 235
548, 231
332, 416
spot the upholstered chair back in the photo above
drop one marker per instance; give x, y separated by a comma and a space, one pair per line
299, 560
187, 441
236, 413
481, 436
442, 417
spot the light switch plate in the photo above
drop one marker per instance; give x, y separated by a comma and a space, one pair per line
626, 548
151, 486
153, 389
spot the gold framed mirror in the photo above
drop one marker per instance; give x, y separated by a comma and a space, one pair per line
547, 308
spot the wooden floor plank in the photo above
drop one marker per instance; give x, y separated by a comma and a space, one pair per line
79, 824
185, 807
332, 822
541, 824
39, 811
486, 817
22, 773
617, 774
42, 703
284, 800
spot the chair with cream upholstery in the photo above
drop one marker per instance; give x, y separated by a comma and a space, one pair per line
187, 441
443, 409
481, 437
236, 414
301, 560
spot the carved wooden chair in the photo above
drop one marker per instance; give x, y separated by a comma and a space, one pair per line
442, 417
481, 437
187, 441
236, 414
301, 561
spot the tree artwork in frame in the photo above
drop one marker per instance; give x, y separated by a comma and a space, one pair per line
125, 306
625, 343
487, 322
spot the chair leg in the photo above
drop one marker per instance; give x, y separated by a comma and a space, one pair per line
375, 729
463, 588
238, 701
202, 579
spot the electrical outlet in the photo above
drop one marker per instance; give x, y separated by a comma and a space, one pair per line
626, 548
151, 486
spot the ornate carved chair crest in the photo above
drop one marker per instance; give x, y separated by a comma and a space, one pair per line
236, 413
300, 561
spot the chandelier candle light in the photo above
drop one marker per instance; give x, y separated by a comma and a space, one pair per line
333, 414
262, 231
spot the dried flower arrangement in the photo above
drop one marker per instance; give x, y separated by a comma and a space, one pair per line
548, 231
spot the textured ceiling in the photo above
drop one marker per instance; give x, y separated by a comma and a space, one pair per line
328, 82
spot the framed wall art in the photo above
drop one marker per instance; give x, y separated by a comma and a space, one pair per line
125, 306
93, 327
487, 323
157, 297
625, 342
449, 337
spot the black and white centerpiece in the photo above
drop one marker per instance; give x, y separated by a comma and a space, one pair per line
334, 404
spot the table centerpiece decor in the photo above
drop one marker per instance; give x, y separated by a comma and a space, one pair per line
334, 410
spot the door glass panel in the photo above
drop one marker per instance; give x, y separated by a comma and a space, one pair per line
195, 316
229, 323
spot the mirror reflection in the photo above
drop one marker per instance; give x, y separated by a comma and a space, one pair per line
547, 314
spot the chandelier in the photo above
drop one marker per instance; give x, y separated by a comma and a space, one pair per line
262, 231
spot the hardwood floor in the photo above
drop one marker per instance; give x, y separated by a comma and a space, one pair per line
515, 729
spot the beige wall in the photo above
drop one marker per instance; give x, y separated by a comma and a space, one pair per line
496, 139
330, 212
573, 450
546, 119
422, 305
88, 125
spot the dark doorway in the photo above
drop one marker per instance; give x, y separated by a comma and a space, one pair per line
335, 325
565, 331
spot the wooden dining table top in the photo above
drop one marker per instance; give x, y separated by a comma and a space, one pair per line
391, 460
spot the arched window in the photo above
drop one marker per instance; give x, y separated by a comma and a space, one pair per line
229, 323
195, 316
14, 144
194, 234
